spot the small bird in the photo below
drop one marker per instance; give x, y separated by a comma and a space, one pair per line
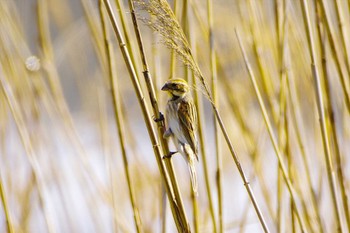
181, 121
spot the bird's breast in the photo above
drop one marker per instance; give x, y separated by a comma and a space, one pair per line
173, 121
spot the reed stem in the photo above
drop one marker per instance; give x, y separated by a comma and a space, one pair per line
291, 189
9, 224
178, 211
27, 144
214, 87
320, 108
332, 124
113, 80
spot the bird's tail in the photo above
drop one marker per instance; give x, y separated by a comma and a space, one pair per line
191, 158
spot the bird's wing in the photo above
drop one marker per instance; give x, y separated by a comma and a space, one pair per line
188, 123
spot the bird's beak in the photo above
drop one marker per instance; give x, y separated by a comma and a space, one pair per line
165, 87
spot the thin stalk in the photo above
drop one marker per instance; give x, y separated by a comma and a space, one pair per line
188, 73
163, 210
26, 209
282, 35
121, 12
195, 211
121, 133
174, 38
297, 122
234, 156
201, 135
95, 33
9, 224
320, 108
240, 170
282, 140
282, 105
105, 143
105, 134
8, 218
335, 52
178, 212
56, 89
173, 53
157, 71
265, 77
214, 87
279, 200
156, 68
185, 28
229, 144
249, 140
118, 116
343, 34
281, 133
254, 157
290, 166
291, 189
27, 144
197, 15
201, 122
334, 133
155, 107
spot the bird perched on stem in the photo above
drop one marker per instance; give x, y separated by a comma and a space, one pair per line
181, 122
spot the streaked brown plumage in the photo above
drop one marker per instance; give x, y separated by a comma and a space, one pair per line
181, 121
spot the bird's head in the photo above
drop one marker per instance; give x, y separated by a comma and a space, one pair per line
176, 87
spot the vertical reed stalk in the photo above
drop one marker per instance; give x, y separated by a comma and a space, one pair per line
281, 134
56, 88
173, 54
240, 169
214, 87
27, 144
185, 27
95, 33
201, 123
266, 82
280, 29
297, 122
177, 210
338, 9
113, 80
332, 125
194, 196
336, 53
129, 45
250, 141
338, 156
155, 107
195, 211
105, 141
9, 224
320, 108
290, 167
174, 38
291, 189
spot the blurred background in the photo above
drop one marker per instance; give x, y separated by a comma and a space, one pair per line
62, 168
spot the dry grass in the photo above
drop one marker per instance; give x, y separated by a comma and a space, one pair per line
79, 149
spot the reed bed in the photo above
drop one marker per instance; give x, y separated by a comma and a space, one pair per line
81, 126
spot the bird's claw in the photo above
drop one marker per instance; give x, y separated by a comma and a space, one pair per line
160, 118
168, 156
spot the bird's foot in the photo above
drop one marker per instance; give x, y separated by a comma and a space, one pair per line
160, 118
168, 156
